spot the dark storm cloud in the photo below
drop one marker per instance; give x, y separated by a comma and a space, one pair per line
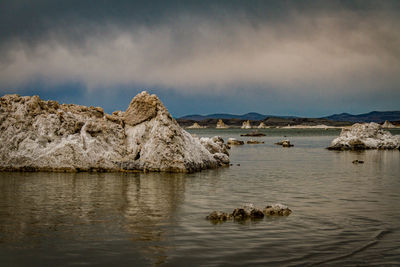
312, 49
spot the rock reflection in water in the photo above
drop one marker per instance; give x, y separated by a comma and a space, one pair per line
150, 203
137, 207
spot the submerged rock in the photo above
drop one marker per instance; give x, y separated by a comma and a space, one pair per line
38, 135
256, 214
253, 133
356, 161
234, 141
284, 143
277, 209
254, 142
365, 136
240, 214
218, 216
248, 211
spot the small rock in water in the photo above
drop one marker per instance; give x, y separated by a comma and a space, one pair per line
277, 209
254, 142
357, 161
240, 213
256, 213
218, 216
253, 133
234, 141
284, 143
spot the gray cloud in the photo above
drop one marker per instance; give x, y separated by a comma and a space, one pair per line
293, 49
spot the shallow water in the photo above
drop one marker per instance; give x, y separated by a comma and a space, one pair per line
343, 213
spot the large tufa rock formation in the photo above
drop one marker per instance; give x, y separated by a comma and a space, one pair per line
365, 136
39, 135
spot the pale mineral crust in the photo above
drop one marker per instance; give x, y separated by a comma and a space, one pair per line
246, 125
365, 136
38, 135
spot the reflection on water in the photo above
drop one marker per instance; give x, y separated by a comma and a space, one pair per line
343, 213
149, 206
89, 207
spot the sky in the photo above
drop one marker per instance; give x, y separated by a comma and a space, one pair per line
302, 58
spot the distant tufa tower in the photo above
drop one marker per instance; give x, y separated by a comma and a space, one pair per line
221, 125
246, 125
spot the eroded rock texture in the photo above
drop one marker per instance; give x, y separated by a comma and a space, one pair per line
365, 136
39, 135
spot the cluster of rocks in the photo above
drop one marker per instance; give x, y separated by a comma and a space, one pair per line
365, 136
284, 143
250, 212
38, 135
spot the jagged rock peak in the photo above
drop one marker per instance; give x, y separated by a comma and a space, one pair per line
143, 107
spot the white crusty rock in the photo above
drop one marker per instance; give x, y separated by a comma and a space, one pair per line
246, 125
365, 136
39, 135
196, 126
388, 124
262, 126
221, 125
217, 148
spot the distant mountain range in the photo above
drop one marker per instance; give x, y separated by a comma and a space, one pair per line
248, 116
374, 116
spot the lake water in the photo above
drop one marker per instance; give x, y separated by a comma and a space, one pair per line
343, 213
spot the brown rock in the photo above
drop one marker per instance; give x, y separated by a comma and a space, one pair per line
143, 107
277, 210
254, 142
218, 216
240, 214
256, 214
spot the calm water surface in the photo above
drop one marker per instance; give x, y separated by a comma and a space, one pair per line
343, 214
